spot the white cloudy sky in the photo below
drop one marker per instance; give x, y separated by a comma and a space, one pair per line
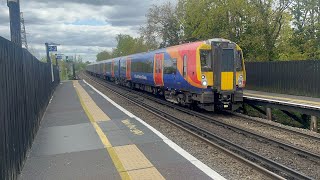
82, 27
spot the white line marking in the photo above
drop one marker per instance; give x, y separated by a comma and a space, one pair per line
204, 168
283, 102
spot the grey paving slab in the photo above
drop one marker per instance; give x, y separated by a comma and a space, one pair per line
108, 126
93, 164
64, 139
104, 105
64, 118
135, 126
118, 138
65, 108
179, 171
160, 154
65, 98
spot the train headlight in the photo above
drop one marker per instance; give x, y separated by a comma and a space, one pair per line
203, 77
204, 83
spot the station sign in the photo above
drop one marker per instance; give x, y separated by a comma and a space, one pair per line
59, 56
52, 48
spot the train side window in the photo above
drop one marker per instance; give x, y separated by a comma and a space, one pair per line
174, 65
170, 66
185, 60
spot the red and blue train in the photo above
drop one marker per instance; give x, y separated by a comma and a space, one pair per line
209, 74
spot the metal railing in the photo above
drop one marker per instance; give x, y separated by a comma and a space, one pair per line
25, 89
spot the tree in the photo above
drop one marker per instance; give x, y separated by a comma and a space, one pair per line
255, 25
306, 21
104, 55
126, 45
162, 28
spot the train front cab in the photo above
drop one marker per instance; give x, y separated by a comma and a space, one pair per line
223, 71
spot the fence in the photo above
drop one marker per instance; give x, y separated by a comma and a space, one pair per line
288, 77
25, 90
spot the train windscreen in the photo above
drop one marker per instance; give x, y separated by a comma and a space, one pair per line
205, 59
227, 60
239, 61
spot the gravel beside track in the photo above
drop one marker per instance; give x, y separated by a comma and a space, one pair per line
214, 158
276, 131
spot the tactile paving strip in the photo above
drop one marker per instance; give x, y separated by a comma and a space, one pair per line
132, 158
146, 174
96, 113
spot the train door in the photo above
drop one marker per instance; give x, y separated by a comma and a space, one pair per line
224, 68
128, 69
182, 85
158, 69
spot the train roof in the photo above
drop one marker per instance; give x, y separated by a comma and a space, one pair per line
176, 46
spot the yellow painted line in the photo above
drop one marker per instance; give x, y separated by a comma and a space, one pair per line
129, 161
284, 99
96, 113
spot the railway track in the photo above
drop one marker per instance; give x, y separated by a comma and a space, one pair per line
276, 127
254, 160
308, 154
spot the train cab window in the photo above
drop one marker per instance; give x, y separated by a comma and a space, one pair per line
205, 60
239, 58
185, 60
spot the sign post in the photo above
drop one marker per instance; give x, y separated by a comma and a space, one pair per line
50, 47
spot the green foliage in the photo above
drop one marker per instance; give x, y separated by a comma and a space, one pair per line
126, 45
266, 30
162, 28
104, 55
306, 20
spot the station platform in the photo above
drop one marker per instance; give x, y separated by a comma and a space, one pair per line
302, 101
85, 135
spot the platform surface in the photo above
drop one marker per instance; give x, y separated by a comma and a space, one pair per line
85, 135
284, 98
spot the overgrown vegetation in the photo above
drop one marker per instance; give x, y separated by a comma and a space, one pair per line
296, 119
267, 30
65, 67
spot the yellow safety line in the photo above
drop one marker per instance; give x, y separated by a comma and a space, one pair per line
115, 159
282, 98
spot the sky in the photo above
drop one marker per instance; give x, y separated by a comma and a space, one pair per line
82, 27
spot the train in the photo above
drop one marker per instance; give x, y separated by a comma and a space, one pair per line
207, 74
